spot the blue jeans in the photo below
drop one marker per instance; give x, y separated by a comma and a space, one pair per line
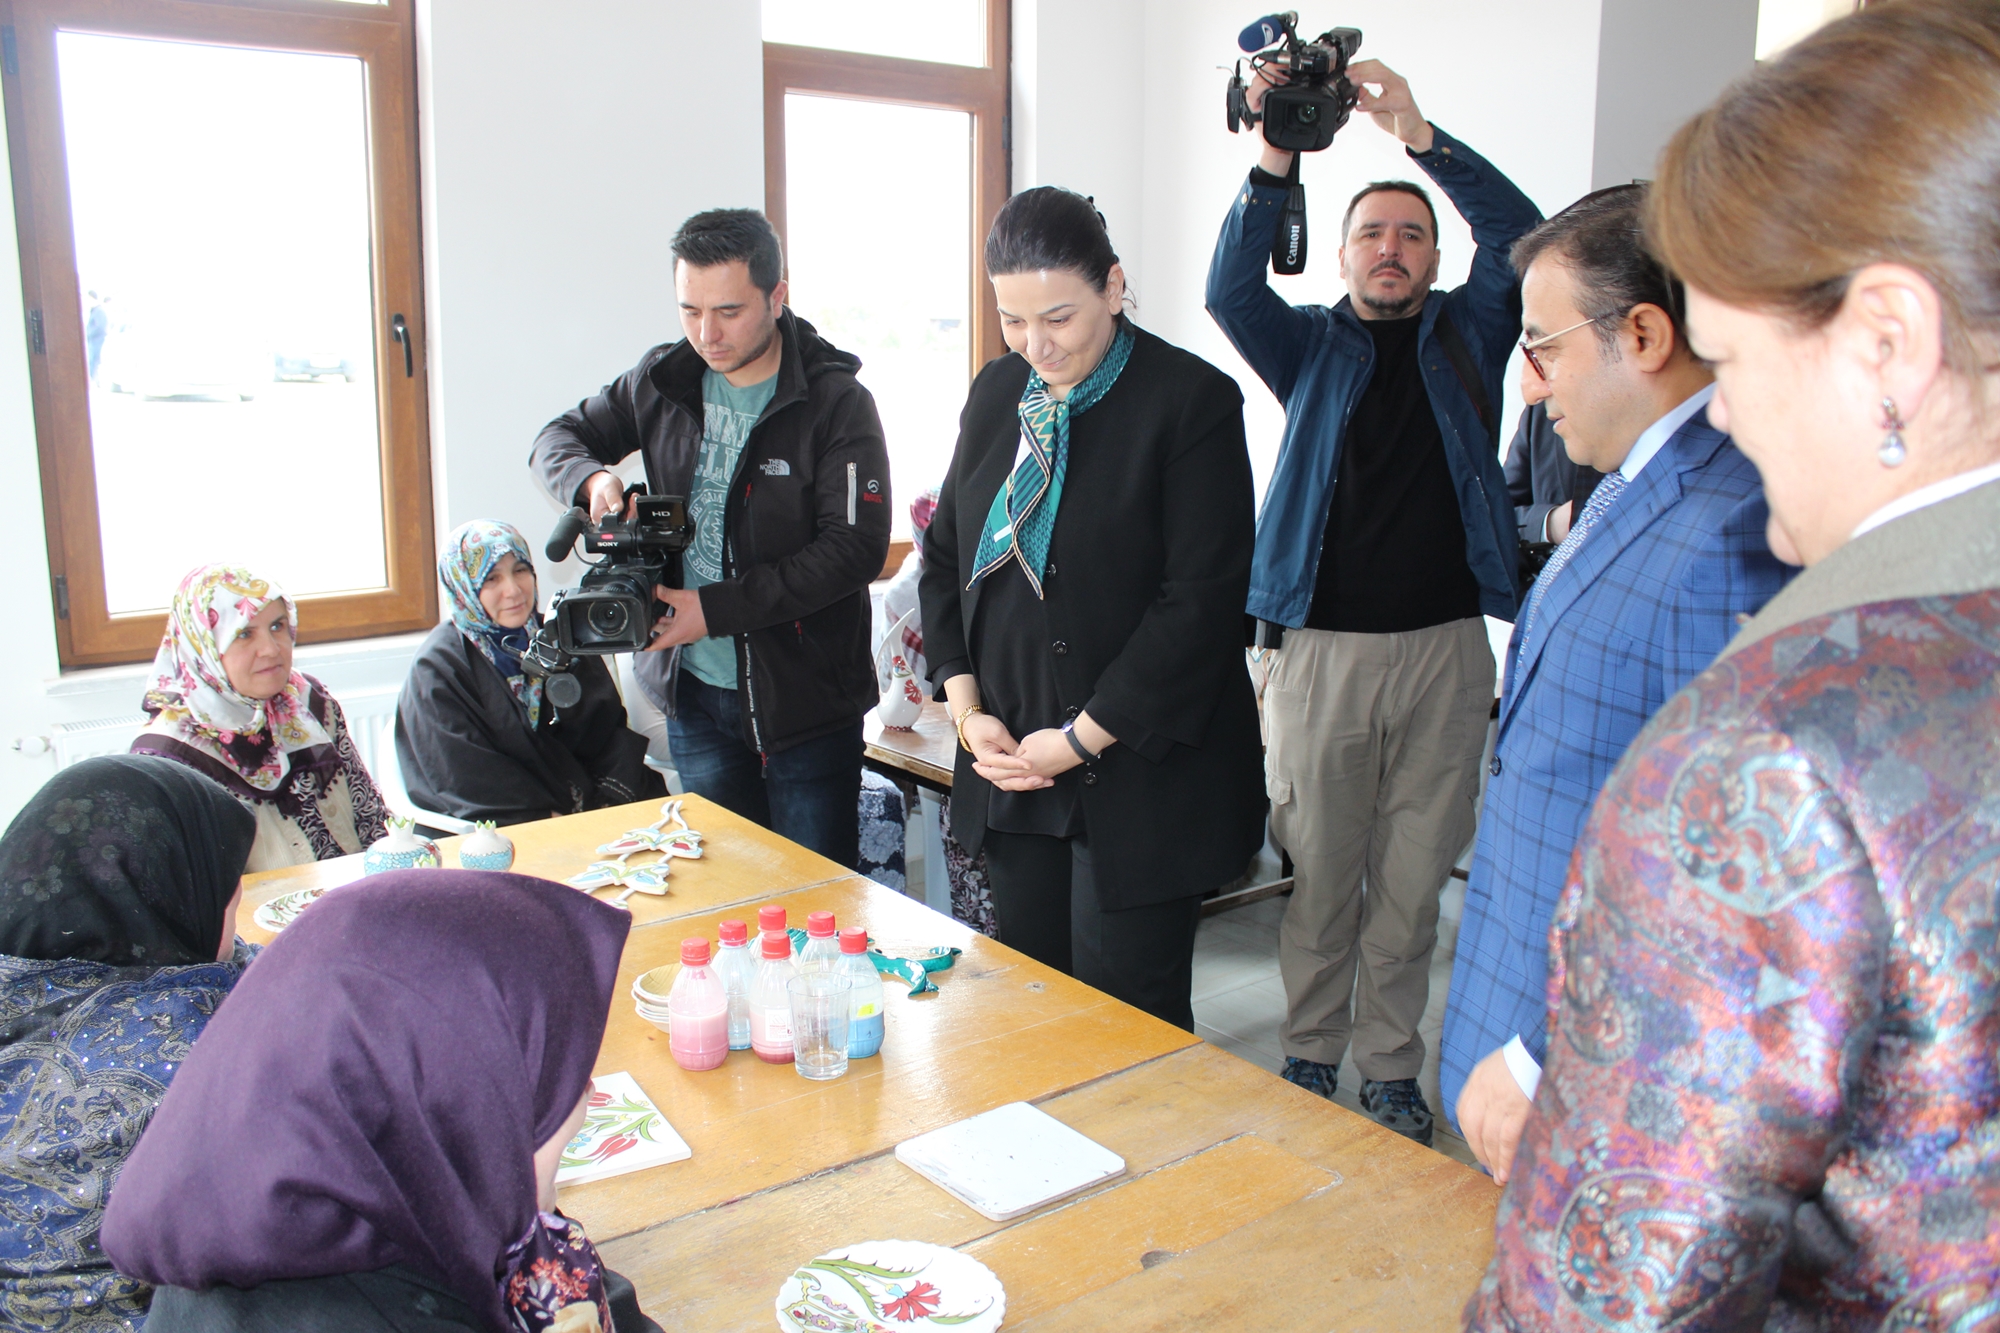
809, 793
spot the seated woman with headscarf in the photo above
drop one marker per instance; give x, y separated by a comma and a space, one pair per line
226, 702
476, 736
118, 892
367, 1139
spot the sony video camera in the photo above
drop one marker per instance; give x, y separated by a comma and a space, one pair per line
612, 609
1300, 115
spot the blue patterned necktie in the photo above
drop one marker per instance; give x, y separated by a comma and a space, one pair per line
1593, 510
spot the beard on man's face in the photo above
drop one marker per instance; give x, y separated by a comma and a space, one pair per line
1395, 309
770, 336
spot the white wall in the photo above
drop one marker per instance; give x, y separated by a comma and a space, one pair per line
561, 147
1129, 90
29, 658
1657, 64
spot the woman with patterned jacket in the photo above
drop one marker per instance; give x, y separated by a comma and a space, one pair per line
1773, 1099
118, 894
226, 702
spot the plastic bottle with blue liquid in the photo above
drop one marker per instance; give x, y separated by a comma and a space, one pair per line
864, 1022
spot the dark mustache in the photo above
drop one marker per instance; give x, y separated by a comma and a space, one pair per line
1388, 266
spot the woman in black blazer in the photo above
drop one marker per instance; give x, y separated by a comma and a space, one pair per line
1083, 592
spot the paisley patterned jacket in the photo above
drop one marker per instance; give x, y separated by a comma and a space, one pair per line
1772, 1098
86, 1050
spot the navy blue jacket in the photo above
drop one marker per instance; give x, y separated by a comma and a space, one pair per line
1318, 359
1656, 591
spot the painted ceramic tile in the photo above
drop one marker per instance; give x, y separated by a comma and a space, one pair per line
623, 1132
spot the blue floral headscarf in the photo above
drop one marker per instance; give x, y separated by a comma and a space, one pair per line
468, 557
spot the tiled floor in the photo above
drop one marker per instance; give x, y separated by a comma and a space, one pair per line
1239, 1000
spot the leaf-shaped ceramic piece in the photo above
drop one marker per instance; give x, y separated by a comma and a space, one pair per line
686, 843
634, 840
599, 875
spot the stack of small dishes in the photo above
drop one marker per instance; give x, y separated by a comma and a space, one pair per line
649, 994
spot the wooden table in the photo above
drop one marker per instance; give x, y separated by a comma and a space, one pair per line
1247, 1203
925, 752
923, 756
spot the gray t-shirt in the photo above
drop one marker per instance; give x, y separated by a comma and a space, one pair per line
728, 413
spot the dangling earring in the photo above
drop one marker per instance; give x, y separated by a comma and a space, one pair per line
1892, 451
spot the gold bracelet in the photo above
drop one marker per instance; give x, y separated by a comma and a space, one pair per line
959, 723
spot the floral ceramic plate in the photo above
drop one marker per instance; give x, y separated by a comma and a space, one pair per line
887, 1286
284, 909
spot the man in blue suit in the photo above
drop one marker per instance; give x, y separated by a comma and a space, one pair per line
1659, 568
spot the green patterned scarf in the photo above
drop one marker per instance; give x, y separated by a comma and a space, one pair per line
1022, 518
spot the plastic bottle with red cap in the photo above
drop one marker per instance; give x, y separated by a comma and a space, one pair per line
822, 951
770, 1002
864, 1018
738, 970
698, 1009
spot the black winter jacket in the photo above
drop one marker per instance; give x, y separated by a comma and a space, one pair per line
806, 527
1144, 601
465, 748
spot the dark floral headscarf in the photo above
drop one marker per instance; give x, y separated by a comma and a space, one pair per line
126, 859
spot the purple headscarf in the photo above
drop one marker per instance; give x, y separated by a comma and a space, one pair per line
374, 1090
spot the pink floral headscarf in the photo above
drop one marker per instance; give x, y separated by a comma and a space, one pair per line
191, 688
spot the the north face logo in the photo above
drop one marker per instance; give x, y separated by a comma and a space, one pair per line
776, 467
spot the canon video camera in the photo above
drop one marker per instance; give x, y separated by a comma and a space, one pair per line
1312, 100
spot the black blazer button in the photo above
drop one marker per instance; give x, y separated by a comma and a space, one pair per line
1061, 648
1090, 777
1051, 571
1494, 767
1072, 713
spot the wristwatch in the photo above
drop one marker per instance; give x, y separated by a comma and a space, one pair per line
1069, 734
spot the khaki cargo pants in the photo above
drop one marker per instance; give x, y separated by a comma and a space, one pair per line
1372, 763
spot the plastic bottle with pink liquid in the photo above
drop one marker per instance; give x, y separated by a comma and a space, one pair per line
698, 1005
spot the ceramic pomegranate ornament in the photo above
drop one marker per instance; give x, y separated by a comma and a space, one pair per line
400, 849
486, 848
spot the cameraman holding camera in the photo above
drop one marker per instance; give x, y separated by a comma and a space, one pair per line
1387, 530
761, 663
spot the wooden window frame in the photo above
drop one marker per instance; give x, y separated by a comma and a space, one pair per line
981, 91
384, 38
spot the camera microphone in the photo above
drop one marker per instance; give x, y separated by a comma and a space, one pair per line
568, 528
1265, 32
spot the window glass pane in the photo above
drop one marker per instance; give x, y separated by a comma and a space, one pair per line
952, 32
220, 198
909, 322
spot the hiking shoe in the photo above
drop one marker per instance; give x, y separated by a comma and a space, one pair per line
1311, 1075
1397, 1104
